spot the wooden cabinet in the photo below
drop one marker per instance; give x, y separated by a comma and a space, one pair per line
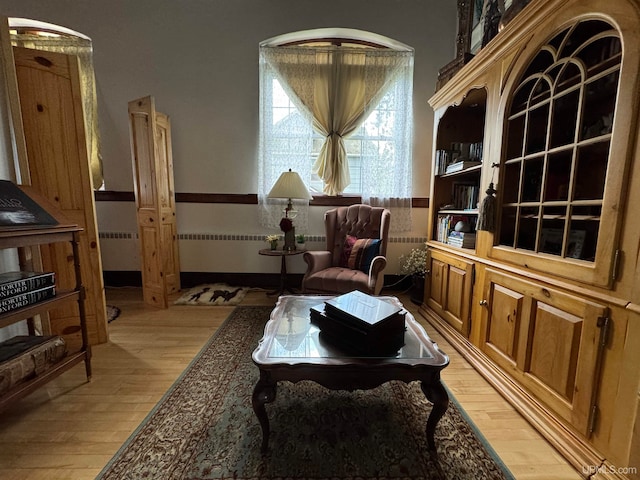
448, 288
76, 335
551, 342
551, 289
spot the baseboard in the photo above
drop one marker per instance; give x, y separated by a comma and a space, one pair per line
122, 278
131, 278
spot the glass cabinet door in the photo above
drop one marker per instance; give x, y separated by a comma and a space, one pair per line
555, 163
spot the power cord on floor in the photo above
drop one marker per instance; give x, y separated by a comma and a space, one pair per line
398, 283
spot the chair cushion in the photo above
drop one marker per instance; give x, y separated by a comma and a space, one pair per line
363, 252
337, 280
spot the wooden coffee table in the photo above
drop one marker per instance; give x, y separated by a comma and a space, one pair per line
293, 349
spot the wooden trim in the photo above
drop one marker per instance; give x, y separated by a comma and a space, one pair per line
420, 202
244, 198
113, 196
339, 201
239, 198
337, 42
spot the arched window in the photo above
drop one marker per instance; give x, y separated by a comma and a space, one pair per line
336, 106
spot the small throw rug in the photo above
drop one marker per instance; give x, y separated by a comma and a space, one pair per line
205, 427
212, 294
112, 313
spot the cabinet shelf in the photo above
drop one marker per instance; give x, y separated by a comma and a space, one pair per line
29, 311
461, 173
458, 212
62, 366
448, 245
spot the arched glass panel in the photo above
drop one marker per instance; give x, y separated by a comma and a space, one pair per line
557, 144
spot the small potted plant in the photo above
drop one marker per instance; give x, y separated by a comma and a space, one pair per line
273, 241
415, 265
300, 242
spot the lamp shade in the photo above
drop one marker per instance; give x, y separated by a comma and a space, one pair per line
290, 185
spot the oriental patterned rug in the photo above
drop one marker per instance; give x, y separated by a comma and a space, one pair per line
205, 427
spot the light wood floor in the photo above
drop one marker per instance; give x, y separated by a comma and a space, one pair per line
69, 429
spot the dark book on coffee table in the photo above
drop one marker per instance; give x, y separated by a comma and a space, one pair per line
364, 311
379, 338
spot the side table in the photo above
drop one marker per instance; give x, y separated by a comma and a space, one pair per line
283, 254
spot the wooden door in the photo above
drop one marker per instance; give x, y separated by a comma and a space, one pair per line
448, 289
548, 340
58, 167
155, 201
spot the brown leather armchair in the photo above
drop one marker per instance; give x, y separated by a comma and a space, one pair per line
328, 270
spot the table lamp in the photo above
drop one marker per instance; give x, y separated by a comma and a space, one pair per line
289, 186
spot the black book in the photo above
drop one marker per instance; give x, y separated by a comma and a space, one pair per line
352, 340
29, 298
15, 283
363, 311
17, 209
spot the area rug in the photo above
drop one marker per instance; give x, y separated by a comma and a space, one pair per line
205, 427
112, 313
212, 294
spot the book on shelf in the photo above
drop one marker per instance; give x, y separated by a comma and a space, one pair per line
15, 283
467, 242
465, 196
447, 222
462, 235
29, 298
463, 165
18, 210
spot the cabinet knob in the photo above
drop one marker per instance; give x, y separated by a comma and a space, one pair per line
483, 303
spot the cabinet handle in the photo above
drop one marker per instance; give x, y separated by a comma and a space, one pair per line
483, 303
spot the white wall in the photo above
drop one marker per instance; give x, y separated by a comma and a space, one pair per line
199, 59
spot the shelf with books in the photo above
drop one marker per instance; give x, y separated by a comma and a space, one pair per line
26, 294
458, 161
447, 223
37, 308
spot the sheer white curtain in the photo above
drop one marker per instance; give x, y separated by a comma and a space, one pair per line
335, 90
285, 143
386, 178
